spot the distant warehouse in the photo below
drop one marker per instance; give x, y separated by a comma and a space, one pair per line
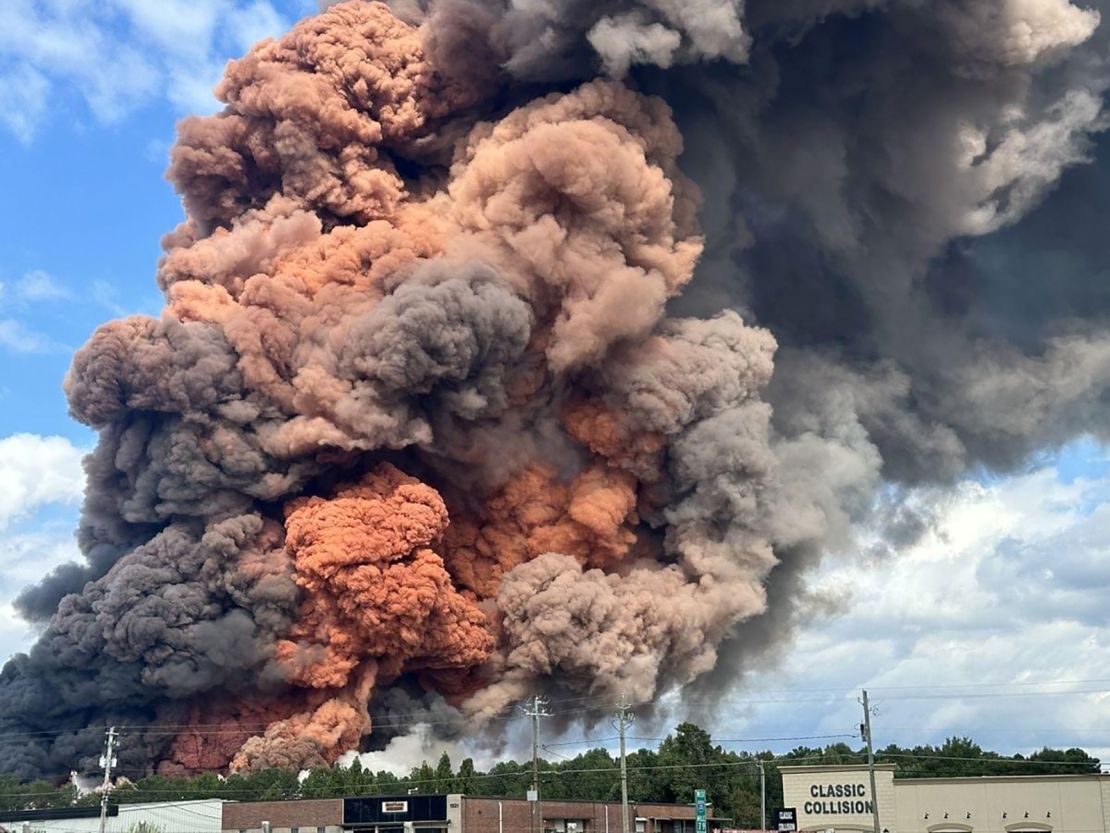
203, 816
456, 814
365, 814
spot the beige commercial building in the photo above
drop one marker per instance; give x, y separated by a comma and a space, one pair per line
833, 799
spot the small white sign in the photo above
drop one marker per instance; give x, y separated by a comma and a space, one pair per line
395, 806
533, 795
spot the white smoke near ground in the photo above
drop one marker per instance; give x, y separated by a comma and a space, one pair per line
421, 744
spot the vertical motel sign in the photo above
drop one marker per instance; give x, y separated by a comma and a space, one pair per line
699, 811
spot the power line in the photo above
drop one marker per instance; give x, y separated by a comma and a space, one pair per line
780, 759
392, 721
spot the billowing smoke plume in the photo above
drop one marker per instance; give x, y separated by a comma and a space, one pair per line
464, 389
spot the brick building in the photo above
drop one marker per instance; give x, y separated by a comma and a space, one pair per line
456, 814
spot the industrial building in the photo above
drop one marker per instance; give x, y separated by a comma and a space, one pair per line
456, 813
203, 816
389, 814
829, 799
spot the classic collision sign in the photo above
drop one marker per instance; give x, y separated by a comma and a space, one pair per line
395, 806
844, 799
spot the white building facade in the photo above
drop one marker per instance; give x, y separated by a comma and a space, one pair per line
203, 816
833, 799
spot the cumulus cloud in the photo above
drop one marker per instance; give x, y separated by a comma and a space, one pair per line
119, 55
39, 475
37, 470
1005, 588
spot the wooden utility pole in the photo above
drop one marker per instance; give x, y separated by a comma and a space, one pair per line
538, 709
762, 797
624, 719
866, 727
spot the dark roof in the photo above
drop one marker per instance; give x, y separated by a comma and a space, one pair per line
89, 812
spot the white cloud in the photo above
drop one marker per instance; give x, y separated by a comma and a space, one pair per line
17, 336
181, 27
35, 471
120, 54
1008, 587
32, 288
253, 22
41, 484
24, 559
23, 96
38, 285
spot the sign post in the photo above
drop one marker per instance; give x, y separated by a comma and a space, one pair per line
785, 820
699, 811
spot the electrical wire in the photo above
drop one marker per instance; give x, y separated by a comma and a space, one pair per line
526, 772
602, 703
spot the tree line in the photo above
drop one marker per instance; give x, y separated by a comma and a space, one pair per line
684, 761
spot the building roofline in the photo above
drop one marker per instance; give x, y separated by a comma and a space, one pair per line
82, 811
610, 801
1077, 776
404, 797
838, 768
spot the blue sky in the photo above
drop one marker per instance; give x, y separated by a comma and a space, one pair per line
1009, 587
82, 161
89, 95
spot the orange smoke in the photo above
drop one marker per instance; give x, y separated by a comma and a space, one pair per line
307, 115
373, 586
369, 271
377, 601
316, 736
613, 435
591, 518
218, 728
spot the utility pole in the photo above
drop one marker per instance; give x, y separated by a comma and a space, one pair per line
538, 710
762, 797
107, 761
624, 719
865, 727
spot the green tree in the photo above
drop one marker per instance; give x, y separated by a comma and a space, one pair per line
323, 782
357, 780
387, 783
507, 778
685, 761
269, 785
444, 775
690, 762
465, 782
646, 782
423, 778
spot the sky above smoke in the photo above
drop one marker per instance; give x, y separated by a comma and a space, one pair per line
859, 166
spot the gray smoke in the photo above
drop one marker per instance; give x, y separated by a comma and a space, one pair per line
193, 610
860, 163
